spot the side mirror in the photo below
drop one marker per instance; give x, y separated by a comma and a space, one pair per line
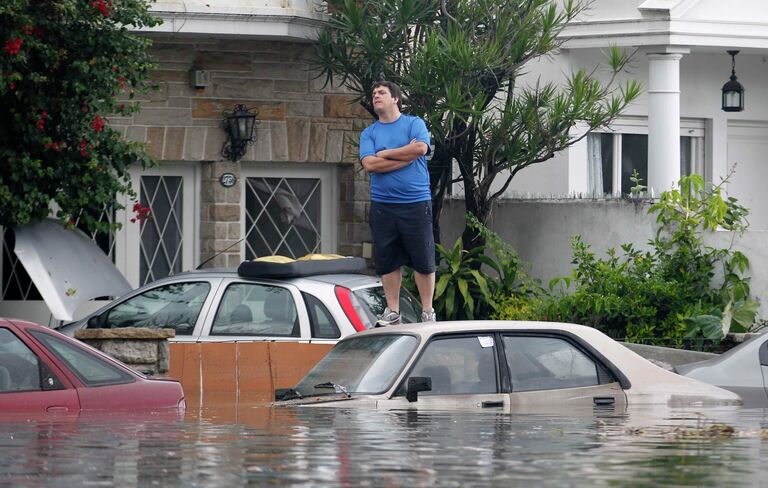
415, 385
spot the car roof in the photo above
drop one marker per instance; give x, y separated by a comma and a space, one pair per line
432, 328
349, 280
7, 321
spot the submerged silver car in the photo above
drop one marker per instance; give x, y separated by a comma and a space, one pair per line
743, 369
221, 305
493, 364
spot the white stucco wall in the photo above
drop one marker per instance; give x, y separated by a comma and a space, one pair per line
753, 11
541, 233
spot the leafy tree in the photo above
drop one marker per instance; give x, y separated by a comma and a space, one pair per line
62, 65
458, 62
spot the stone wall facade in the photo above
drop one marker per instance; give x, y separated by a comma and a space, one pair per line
144, 350
299, 121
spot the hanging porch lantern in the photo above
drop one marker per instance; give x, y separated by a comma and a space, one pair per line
733, 92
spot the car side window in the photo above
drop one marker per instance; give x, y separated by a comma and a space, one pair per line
320, 319
256, 310
89, 368
459, 365
175, 306
375, 302
19, 366
547, 363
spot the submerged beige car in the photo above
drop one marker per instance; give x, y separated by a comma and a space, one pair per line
493, 365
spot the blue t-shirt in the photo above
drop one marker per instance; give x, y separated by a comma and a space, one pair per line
408, 184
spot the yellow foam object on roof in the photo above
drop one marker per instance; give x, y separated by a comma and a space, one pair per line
317, 257
274, 259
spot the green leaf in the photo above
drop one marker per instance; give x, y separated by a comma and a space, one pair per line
708, 325
743, 315
442, 283
450, 303
482, 283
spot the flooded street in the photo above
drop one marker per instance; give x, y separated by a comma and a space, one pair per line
226, 446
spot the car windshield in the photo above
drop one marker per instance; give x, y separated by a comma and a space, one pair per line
375, 300
361, 365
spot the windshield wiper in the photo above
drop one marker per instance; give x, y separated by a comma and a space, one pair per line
336, 388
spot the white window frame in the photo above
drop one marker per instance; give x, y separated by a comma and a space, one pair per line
694, 128
128, 245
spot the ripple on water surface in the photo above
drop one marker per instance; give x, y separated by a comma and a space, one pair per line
231, 446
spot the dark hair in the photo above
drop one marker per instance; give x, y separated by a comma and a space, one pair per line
394, 90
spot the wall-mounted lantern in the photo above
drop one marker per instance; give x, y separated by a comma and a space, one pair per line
733, 92
239, 124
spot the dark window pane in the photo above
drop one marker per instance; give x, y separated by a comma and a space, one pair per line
546, 363
256, 310
606, 154
19, 366
175, 306
320, 319
634, 156
104, 239
161, 234
282, 216
89, 368
374, 302
685, 155
16, 285
459, 366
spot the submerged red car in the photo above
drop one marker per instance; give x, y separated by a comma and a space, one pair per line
42, 370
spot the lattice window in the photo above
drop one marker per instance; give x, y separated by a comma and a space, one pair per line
105, 240
282, 216
162, 237
17, 285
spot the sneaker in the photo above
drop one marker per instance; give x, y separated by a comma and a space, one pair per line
388, 318
428, 316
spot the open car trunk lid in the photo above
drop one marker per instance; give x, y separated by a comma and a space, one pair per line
66, 266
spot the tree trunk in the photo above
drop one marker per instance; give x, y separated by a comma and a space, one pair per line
481, 209
439, 179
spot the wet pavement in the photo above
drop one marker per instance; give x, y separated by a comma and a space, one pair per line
235, 446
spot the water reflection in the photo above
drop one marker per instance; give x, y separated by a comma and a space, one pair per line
224, 445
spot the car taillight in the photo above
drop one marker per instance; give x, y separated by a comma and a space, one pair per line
350, 306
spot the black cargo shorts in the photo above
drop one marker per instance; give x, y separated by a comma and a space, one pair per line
402, 236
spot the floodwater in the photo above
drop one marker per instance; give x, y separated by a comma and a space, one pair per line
326, 446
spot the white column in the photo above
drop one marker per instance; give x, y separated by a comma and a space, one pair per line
664, 119
716, 152
577, 162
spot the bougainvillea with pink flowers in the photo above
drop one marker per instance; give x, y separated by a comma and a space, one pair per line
66, 66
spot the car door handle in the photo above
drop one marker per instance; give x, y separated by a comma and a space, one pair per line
492, 404
57, 409
604, 400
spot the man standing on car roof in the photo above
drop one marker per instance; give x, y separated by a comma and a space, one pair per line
393, 150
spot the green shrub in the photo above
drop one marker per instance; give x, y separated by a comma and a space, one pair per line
665, 295
517, 307
468, 283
